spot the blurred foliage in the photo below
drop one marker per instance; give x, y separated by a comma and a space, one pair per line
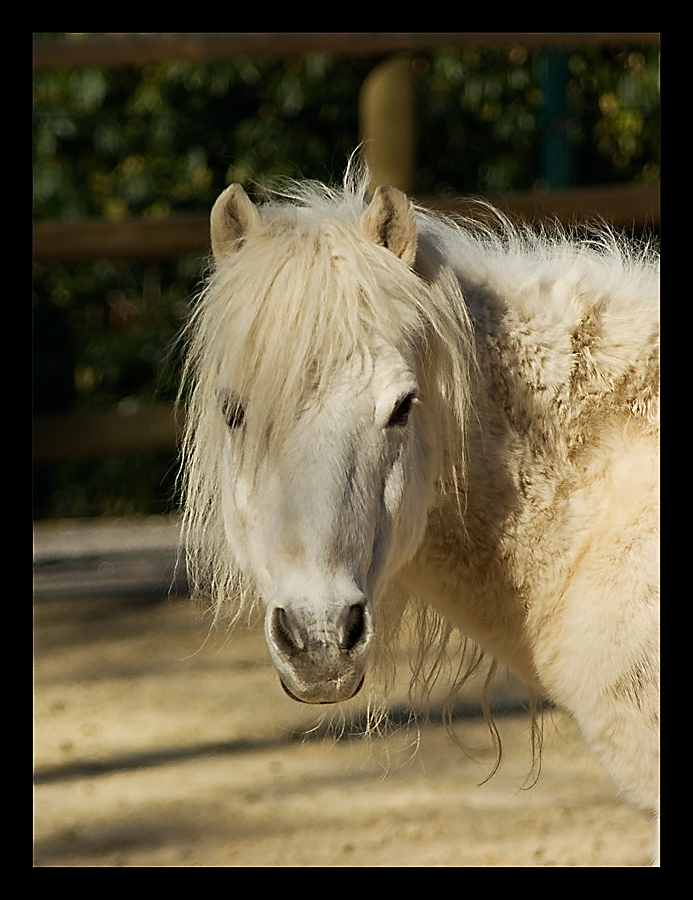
162, 137
480, 118
159, 138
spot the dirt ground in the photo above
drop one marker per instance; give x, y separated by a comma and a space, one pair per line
157, 744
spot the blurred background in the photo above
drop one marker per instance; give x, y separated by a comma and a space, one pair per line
135, 135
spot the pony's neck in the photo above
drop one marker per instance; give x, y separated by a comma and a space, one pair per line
466, 566
482, 608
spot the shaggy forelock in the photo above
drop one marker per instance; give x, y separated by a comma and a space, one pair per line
298, 302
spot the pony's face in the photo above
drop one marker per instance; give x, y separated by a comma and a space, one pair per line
326, 513
326, 481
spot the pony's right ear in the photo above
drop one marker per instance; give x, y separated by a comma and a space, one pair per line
233, 216
390, 222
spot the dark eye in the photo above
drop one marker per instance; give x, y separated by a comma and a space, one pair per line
233, 413
400, 414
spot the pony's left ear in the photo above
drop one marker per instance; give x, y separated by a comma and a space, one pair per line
390, 221
233, 216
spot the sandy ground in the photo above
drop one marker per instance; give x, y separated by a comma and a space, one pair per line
157, 744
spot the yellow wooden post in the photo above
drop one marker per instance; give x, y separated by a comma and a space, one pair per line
387, 122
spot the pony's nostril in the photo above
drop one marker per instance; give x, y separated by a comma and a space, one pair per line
282, 633
354, 627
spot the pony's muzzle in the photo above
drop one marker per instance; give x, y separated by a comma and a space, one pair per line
320, 659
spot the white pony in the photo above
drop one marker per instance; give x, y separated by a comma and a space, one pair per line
387, 405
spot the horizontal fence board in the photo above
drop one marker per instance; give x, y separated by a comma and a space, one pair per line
621, 205
64, 436
188, 233
180, 234
139, 49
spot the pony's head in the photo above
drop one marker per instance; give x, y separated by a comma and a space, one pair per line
323, 373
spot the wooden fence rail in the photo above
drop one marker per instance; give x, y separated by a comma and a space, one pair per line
182, 234
61, 436
138, 49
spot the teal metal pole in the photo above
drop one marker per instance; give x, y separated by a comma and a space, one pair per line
556, 153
